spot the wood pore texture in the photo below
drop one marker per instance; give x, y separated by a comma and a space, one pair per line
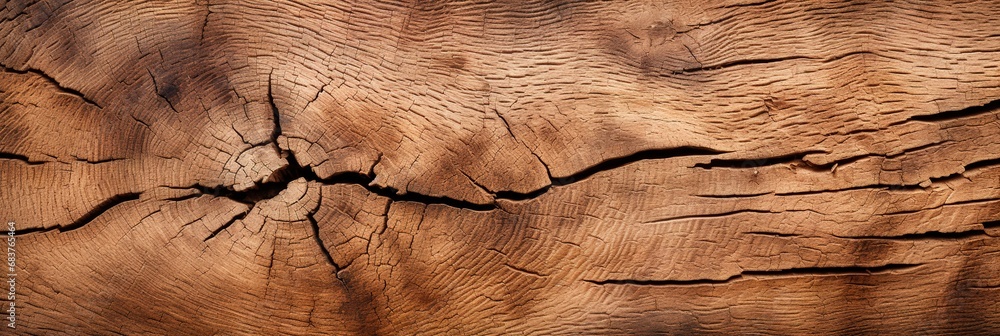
219, 167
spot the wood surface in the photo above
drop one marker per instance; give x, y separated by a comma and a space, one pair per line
311, 167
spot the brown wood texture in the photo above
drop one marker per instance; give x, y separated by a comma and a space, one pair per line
305, 167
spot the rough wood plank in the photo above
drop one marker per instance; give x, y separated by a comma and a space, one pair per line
502, 167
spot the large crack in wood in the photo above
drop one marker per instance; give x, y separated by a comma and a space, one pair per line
929, 235
763, 161
48, 78
765, 275
227, 224
322, 246
21, 158
88, 217
953, 114
606, 165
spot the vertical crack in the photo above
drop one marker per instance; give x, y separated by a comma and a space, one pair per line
322, 246
274, 113
293, 171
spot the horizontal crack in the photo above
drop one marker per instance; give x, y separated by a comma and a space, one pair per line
931, 235
772, 234
784, 273
19, 157
953, 114
759, 162
609, 164
703, 216
741, 62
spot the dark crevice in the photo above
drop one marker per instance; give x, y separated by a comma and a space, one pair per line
99, 161
760, 162
548, 172
735, 195
965, 202
966, 168
391, 193
884, 187
480, 186
930, 235
250, 196
385, 219
609, 164
223, 227
53, 81
159, 92
703, 216
740, 63
652, 154
772, 234
319, 240
982, 164
749, 4
919, 148
276, 132
19, 157
204, 23
295, 170
183, 198
88, 217
322, 246
791, 272
954, 114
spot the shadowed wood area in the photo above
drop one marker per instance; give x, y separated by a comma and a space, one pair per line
217, 167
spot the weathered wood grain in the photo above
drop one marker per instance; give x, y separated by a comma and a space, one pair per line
502, 167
